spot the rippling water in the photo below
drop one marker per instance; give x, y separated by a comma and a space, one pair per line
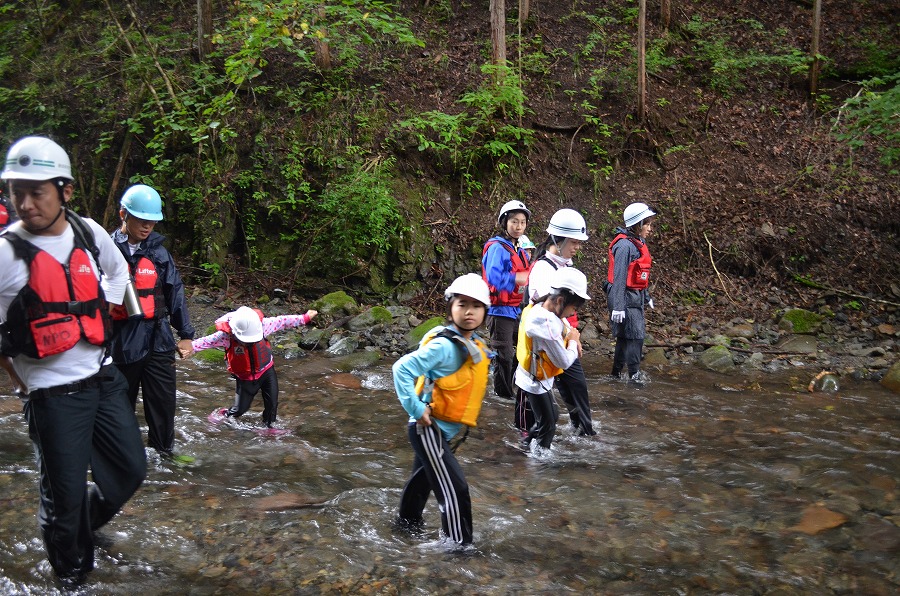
694, 484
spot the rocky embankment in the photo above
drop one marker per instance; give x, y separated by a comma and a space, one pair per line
828, 346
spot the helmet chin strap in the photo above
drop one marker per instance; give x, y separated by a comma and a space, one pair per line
62, 210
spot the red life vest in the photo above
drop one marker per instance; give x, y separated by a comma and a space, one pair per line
519, 263
638, 277
247, 361
149, 291
60, 305
4, 215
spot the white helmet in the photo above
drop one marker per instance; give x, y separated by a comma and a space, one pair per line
513, 206
246, 325
568, 223
525, 242
569, 278
36, 158
636, 213
471, 285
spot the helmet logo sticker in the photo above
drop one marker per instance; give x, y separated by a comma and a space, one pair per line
24, 161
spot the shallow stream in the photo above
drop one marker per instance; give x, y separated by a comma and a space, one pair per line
697, 483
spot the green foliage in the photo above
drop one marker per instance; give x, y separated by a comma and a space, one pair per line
467, 138
873, 116
727, 66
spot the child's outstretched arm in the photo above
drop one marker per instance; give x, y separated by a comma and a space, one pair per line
273, 324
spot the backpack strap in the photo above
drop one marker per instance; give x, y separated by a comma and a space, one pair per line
84, 235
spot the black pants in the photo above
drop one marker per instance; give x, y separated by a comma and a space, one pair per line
523, 417
573, 388
435, 469
627, 354
245, 391
545, 414
155, 377
95, 428
504, 333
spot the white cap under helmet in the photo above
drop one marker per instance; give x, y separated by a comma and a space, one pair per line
569, 278
568, 223
36, 158
471, 285
513, 206
246, 325
636, 213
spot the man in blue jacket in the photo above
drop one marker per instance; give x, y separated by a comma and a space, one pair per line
143, 346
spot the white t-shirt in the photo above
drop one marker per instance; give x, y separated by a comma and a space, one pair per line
84, 359
541, 275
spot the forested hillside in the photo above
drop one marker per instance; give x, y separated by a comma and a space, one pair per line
367, 145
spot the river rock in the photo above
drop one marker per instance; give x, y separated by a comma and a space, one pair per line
336, 304
314, 338
817, 519
656, 357
343, 346
744, 330
345, 380
717, 359
891, 379
802, 321
415, 336
800, 344
377, 315
358, 360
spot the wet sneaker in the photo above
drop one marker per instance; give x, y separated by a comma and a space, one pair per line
640, 378
525, 442
218, 415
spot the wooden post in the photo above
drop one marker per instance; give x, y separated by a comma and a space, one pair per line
642, 66
815, 66
204, 28
498, 32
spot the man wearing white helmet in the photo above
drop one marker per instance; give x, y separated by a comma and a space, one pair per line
144, 347
627, 283
565, 235
57, 272
441, 386
504, 266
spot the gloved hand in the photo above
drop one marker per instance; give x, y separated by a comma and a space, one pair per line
618, 316
650, 303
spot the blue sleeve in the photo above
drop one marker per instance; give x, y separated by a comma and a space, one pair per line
438, 358
498, 268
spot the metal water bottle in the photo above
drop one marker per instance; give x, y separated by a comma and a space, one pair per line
132, 303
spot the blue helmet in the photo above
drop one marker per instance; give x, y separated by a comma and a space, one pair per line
143, 201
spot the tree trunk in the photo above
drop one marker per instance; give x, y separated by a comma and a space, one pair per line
641, 65
204, 28
524, 10
665, 13
498, 32
323, 52
815, 66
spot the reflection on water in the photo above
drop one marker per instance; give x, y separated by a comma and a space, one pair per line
694, 484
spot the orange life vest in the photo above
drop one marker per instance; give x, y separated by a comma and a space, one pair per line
458, 396
149, 291
60, 305
247, 361
538, 365
519, 263
638, 276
